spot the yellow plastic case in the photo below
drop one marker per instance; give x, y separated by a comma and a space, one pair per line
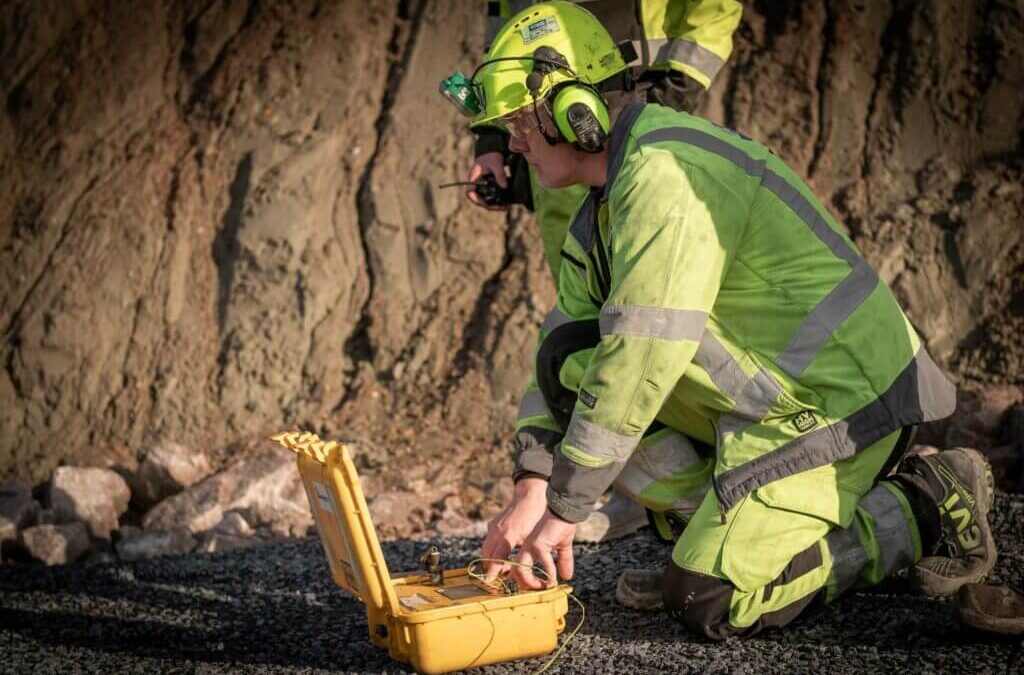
463, 623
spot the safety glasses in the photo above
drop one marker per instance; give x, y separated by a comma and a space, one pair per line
521, 123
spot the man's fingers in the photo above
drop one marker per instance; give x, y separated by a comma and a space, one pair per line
547, 563
523, 572
497, 170
565, 561
475, 174
499, 551
494, 164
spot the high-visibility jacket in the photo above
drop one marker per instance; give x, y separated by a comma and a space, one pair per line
690, 36
731, 307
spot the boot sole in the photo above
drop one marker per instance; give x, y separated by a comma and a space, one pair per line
930, 584
969, 613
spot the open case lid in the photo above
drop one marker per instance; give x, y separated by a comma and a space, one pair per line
342, 518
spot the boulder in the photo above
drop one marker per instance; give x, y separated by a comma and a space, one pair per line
99, 558
46, 517
138, 544
168, 469
978, 419
94, 496
1013, 426
400, 512
17, 510
56, 544
1006, 467
453, 523
233, 531
265, 485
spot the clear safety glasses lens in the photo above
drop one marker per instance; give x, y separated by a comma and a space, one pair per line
523, 121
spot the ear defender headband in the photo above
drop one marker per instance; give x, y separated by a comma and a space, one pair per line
580, 113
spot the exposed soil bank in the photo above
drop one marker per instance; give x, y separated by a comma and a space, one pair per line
219, 218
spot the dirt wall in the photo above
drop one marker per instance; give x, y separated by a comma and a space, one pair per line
220, 218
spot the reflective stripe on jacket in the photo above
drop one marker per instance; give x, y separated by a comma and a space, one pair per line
727, 296
690, 36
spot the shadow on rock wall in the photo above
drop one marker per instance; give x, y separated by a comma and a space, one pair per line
220, 218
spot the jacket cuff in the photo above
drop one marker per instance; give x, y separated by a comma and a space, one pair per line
674, 89
489, 139
573, 489
586, 463
534, 452
569, 510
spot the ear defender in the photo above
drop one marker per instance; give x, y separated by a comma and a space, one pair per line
581, 116
580, 113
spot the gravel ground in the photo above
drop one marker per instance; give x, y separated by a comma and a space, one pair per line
275, 610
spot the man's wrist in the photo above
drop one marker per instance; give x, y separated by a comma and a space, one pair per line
531, 485
558, 517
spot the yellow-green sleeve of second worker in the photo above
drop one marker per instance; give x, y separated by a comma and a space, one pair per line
691, 36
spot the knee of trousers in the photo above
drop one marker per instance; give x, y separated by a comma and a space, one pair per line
698, 601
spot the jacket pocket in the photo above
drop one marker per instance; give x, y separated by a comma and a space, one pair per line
815, 493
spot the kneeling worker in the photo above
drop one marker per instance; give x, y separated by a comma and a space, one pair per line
722, 302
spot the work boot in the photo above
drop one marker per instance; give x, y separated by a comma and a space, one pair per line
640, 589
619, 516
951, 493
996, 609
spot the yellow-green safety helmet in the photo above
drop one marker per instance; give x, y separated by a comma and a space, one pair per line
550, 47
589, 52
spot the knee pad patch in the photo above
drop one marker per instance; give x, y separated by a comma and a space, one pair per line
698, 601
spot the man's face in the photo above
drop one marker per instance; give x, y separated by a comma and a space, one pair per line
555, 164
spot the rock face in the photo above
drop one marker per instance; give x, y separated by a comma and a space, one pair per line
168, 469
56, 544
17, 509
96, 497
138, 544
266, 486
239, 200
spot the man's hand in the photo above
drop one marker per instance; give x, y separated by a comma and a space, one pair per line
551, 535
509, 528
488, 163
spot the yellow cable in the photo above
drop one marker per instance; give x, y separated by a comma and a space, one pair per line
537, 571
